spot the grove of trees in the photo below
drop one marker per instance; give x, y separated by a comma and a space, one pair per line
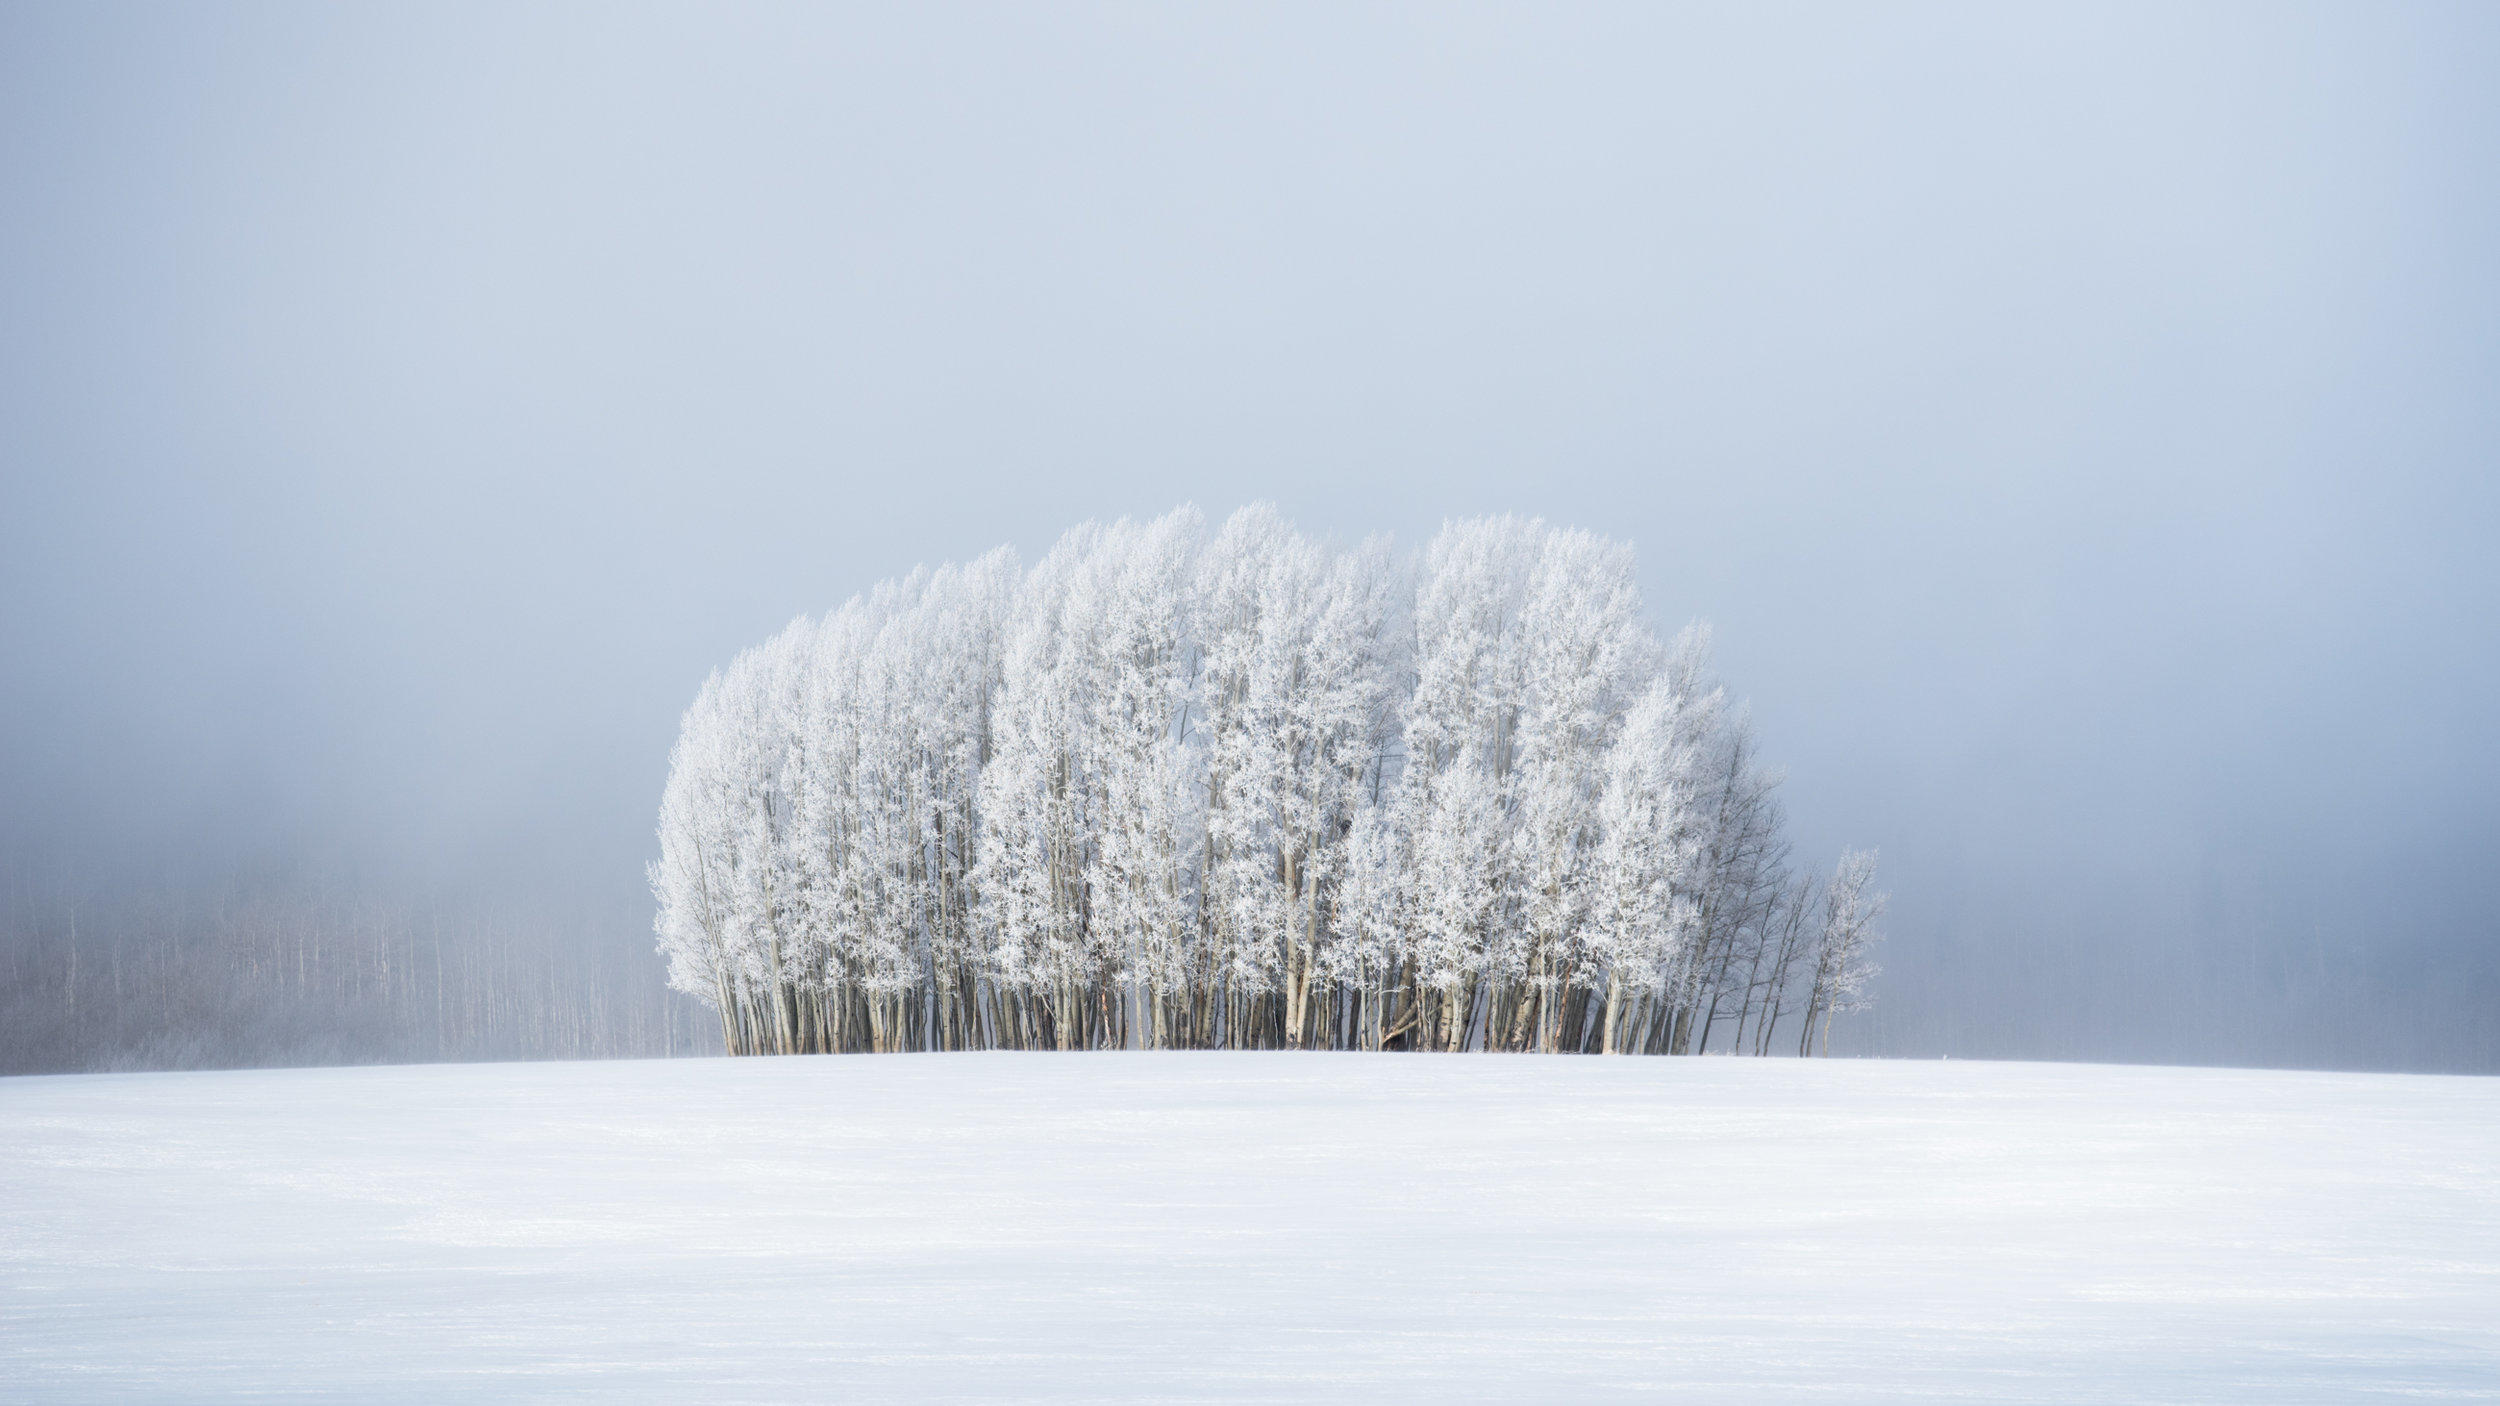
1174, 788
314, 964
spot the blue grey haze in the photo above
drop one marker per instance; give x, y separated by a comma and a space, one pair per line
2078, 422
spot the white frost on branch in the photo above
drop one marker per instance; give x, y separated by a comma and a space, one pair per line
1247, 788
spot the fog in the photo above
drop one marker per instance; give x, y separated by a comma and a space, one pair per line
2078, 425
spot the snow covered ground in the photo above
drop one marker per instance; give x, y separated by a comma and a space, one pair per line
1262, 1226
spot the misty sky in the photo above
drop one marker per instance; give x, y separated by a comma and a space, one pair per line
2079, 424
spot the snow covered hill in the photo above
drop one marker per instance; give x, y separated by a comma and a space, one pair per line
1255, 1226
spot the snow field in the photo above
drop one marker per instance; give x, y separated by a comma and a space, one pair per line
1250, 1226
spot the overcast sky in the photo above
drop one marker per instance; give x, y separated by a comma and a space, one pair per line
2079, 424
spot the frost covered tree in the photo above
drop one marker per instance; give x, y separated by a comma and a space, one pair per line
729, 919
1174, 788
1640, 915
1843, 965
1587, 655
1133, 619
1297, 705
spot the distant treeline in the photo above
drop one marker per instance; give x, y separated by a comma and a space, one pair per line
1245, 789
268, 969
